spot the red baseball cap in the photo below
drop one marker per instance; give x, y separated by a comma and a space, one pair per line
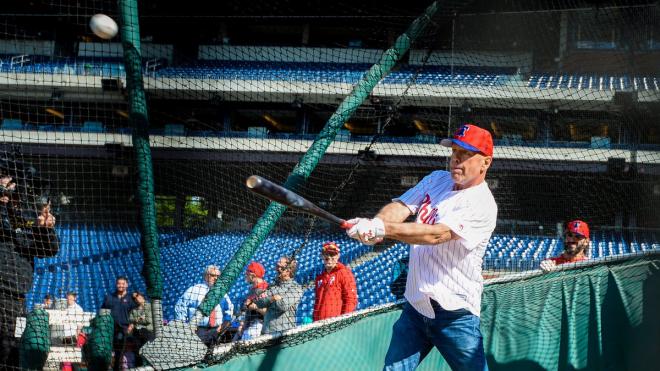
330, 247
257, 269
472, 138
578, 227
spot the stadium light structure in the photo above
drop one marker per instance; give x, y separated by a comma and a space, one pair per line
276, 124
55, 112
122, 113
496, 129
421, 126
358, 129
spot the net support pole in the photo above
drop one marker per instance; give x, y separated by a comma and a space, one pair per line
139, 121
314, 154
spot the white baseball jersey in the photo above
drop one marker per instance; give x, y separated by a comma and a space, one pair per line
450, 272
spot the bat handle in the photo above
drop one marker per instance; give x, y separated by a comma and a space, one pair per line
345, 225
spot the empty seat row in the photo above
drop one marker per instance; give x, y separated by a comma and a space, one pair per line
593, 82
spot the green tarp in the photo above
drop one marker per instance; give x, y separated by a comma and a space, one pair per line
603, 317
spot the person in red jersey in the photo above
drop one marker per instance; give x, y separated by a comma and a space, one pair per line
576, 245
251, 325
336, 293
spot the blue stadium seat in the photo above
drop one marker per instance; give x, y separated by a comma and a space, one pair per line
175, 129
92, 127
11, 124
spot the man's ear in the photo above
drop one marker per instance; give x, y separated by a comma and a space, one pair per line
486, 164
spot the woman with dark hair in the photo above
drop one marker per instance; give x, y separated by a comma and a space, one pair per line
140, 324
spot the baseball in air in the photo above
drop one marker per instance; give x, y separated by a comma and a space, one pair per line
103, 26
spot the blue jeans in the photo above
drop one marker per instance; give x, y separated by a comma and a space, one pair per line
456, 334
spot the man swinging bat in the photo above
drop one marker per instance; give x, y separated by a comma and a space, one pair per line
455, 217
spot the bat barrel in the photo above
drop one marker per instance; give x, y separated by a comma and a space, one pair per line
286, 197
254, 181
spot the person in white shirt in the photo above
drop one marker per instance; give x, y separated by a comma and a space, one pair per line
455, 217
74, 319
72, 307
212, 327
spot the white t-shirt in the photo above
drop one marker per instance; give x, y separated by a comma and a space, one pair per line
73, 310
450, 272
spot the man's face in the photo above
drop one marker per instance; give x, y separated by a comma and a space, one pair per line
249, 277
467, 168
70, 300
283, 269
574, 243
329, 260
212, 276
122, 285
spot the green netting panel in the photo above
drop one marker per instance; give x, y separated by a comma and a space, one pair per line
594, 318
98, 350
35, 341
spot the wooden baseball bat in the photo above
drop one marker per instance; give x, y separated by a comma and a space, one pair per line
277, 193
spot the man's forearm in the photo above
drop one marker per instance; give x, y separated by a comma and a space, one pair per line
395, 212
418, 233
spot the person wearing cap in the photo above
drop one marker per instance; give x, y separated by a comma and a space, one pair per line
455, 214
576, 245
251, 325
336, 293
281, 299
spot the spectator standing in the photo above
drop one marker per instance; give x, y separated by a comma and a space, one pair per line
209, 328
336, 293
251, 326
140, 325
280, 300
120, 304
140, 329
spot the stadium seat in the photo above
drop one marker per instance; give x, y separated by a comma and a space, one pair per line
11, 124
175, 129
92, 127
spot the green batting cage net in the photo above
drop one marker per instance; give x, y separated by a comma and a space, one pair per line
128, 130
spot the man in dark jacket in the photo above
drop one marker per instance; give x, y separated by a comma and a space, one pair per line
120, 304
